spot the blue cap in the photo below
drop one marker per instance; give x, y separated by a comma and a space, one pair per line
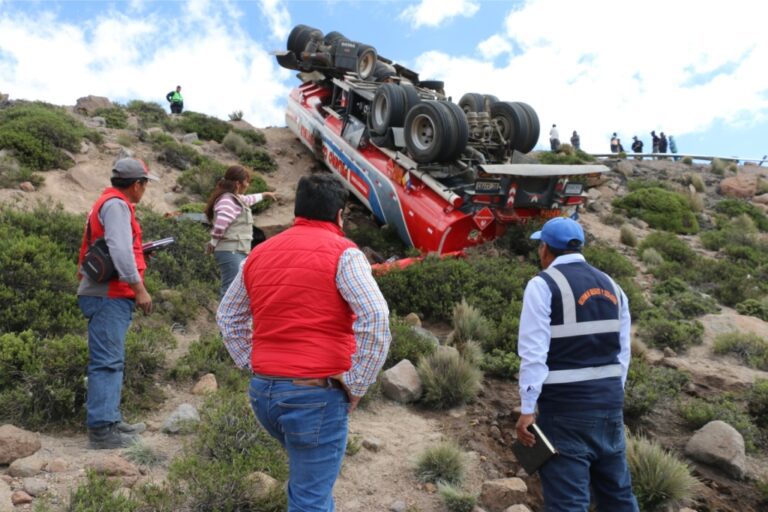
561, 233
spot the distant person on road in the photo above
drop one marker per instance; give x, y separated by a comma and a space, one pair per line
574, 346
637, 146
576, 141
673, 148
614, 143
109, 305
662, 143
176, 100
619, 146
655, 141
554, 138
229, 210
306, 316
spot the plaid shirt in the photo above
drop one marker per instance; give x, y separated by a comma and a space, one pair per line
357, 286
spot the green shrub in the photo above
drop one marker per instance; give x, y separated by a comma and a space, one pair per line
627, 236
407, 343
259, 160
717, 167
442, 462
235, 143
236, 115
736, 207
501, 364
468, 324
178, 156
12, 173
659, 479
206, 127
255, 137
651, 257
208, 355
201, 179
149, 113
648, 385
661, 209
697, 182
383, 240
143, 455
676, 298
456, 500
578, 157
747, 346
448, 380
697, 412
609, 260
658, 330
757, 402
196, 207
98, 494
638, 184
354, 443
687, 160
670, 247
114, 116
127, 140
754, 307
37, 133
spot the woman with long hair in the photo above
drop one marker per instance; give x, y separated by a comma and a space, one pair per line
229, 210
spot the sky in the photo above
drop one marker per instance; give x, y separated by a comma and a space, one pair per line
692, 69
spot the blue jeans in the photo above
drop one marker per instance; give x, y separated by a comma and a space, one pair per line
108, 322
311, 424
229, 264
592, 451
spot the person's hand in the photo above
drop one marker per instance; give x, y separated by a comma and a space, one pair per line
209, 248
144, 301
271, 195
353, 400
523, 422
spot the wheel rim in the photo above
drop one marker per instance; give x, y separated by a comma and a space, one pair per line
505, 126
366, 64
422, 132
380, 108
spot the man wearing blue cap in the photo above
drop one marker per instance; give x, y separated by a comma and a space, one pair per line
574, 347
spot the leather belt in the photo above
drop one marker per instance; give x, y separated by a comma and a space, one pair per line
319, 382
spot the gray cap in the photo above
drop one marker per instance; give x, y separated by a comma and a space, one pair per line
132, 168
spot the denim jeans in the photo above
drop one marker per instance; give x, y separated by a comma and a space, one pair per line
592, 450
229, 264
108, 322
311, 424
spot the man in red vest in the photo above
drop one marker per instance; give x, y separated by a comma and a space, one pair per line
109, 306
309, 319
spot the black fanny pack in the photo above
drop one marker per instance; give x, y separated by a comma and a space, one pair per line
97, 263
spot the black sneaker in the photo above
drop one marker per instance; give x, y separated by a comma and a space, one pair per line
108, 438
131, 428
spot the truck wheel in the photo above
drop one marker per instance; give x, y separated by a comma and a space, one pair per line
388, 109
512, 122
382, 71
533, 128
331, 38
366, 61
412, 97
472, 102
300, 36
460, 131
384, 141
427, 136
488, 100
435, 85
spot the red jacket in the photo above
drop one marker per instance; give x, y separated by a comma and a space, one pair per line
302, 326
116, 288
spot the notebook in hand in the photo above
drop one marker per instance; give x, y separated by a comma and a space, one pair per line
532, 457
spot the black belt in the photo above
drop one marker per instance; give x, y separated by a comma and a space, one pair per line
327, 382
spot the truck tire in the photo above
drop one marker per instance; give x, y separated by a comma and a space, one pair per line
533, 128
488, 100
300, 36
512, 121
412, 97
382, 71
388, 109
472, 102
366, 61
427, 132
384, 141
460, 131
331, 38
435, 85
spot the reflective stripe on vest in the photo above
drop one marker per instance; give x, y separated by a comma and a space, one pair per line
583, 374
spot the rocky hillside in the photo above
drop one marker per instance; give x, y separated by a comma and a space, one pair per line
687, 240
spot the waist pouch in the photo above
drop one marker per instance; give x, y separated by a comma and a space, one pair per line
97, 264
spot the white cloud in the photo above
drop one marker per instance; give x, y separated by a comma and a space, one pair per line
494, 46
220, 68
278, 16
654, 68
431, 13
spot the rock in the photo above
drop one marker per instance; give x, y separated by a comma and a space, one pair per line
34, 486
84, 147
189, 138
112, 147
594, 194
496, 433
668, 352
113, 465
518, 508
28, 466
180, 420
478, 509
20, 498
153, 130
262, 483
430, 488
206, 384
761, 199
401, 383
425, 334
6, 505
686, 509
88, 105
57, 465
398, 506
720, 445
98, 122
27, 186
498, 495
16, 443
412, 319
741, 186
373, 444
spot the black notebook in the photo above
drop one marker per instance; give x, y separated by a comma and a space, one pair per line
532, 457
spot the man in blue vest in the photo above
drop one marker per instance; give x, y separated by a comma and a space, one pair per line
574, 347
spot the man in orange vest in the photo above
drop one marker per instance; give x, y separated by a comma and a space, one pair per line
305, 314
109, 305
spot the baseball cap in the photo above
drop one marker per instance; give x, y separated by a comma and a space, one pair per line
132, 168
561, 233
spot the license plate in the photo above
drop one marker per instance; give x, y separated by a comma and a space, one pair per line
487, 187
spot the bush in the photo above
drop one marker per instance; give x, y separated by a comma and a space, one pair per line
501, 364
456, 500
206, 127
659, 479
149, 113
12, 173
609, 260
670, 247
697, 182
658, 330
747, 346
448, 380
687, 160
143, 455
236, 115
576, 158
178, 156
651, 257
754, 307
757, 402
717, 167
383, 240
468, 324
37, 133
114, 116
407, 343
259, 160
255, 137
627, 236
661, 209
676, 298
208, 355
648, 385
443, 462
736, 207
698, 412
99, 493
235, 143
201, 179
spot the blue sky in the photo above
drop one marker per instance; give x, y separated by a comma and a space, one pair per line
692, 69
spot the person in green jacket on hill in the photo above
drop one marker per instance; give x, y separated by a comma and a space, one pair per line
176, 100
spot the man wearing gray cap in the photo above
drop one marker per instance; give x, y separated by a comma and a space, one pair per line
108, 305
574, 348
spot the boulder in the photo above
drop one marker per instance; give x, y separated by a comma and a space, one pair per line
98, 122
412, 319
720, 445
20, 498
373, 444
742, 186
27, 186
189, 138
401, 383
57, 465
262, 483
181, 420
34, 486
88, 105
28, 466
113, 465
499, 495
518, 508
761, 199
398, 506
6, 505
16, 443
206, 384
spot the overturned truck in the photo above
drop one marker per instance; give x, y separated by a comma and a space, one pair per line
438, 173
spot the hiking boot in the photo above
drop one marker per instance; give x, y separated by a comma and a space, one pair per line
130, 428
108, 438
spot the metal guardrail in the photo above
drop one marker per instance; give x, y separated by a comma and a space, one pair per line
679, 156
